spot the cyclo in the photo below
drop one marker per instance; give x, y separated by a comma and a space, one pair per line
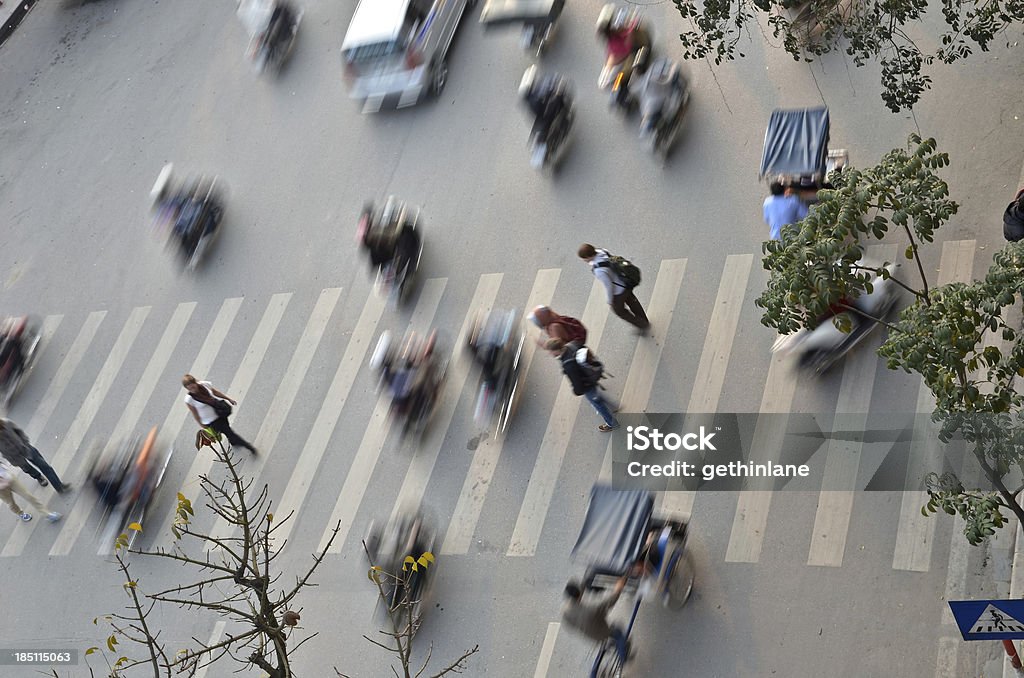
621, 537
796, 152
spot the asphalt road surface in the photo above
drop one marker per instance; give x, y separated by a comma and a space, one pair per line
96, 97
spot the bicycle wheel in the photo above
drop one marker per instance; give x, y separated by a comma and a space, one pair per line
679, 581
607, 664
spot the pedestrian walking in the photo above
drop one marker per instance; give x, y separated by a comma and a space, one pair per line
619, 278
584, 372
10, 486
211, 409
555, 326
16, 448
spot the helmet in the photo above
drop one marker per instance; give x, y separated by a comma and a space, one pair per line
162, 185
528, 81
604, 19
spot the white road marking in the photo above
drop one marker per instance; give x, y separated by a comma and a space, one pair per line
286, 391
915, 532
63, 376
312, 454
87, 412
485, 459
842, 461
215, 636
358, 477
647, 356
410, 496
547, 650
125, 426
548, 465
175, 418
714, 362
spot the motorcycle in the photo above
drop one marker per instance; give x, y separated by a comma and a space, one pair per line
125, 479
496, 341
190, 216
663, 92
407, 535
19, 342
414, 375
272, 26
628, 49
392, 239
549, 135
537, 16
822, 347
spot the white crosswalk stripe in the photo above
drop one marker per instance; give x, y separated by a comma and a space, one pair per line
548, 466
915, 532
130, 415
842, 461
358, 477
485, 459
74, 343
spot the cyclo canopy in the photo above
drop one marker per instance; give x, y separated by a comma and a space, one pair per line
615, 527
500, 12
796, 144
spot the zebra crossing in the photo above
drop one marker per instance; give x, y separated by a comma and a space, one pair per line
326, 380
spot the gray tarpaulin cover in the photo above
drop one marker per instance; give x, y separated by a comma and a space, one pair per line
497, 12
613, 530
796, 142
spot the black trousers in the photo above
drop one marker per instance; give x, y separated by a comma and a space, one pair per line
220, 425
627, 306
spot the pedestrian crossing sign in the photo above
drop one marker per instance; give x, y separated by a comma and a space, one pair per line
989, 619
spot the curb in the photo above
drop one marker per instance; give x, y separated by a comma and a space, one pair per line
15, 18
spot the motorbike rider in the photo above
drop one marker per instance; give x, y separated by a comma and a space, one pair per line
281, 21
409, 376
661, 90
624, 35
12, 351
547, 99
388, 244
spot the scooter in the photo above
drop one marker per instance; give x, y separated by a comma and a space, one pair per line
547, 151
414, 375
496, 342
191, 216
392, 236
538, 17
272, 26
663, 93
822, 347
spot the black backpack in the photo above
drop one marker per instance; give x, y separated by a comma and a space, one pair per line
1013, 219
588, 364
626, 270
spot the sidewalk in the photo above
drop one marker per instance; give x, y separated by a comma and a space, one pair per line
11, 14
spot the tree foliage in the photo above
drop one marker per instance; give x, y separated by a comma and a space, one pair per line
956, 336
866, 30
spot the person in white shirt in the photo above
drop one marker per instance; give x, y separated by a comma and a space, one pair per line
203, 401
618, 293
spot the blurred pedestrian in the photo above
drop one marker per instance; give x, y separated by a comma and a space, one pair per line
618, 289
584, 373
211, 409
10, 486
555, 326
16, 448
781, 208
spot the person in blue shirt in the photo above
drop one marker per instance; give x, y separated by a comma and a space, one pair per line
782, 207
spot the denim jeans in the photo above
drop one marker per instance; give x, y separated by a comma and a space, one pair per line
601, 405
621, 643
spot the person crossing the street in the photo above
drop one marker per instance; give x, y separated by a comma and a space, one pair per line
589, 615
10, 486
618, 290
583, 371
211, 409
16, 448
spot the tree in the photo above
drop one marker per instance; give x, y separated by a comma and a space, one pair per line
264, 616
867, 31
400, 598
950, 334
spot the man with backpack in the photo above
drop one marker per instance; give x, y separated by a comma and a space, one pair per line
584, 371
619, 277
